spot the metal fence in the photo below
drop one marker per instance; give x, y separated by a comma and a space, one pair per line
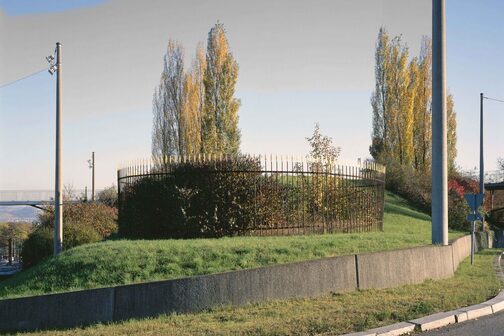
285, 195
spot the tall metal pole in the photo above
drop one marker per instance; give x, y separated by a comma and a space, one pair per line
58, 197
93, 178
10, 251
482, 164
439, 136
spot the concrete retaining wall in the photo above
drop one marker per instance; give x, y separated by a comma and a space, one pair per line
57, 310
299, 279
407, 266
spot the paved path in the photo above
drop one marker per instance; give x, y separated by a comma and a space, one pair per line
6, 269
492, 325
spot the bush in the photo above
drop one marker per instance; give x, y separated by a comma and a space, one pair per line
412, 185
83, 223
196, 200
108, 196
457, 212
39, 245
100, 217
458, 208
417, 187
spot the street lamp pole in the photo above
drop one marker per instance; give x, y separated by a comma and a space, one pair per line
55, 66
58, 200
439, 135
93, 179
482, 163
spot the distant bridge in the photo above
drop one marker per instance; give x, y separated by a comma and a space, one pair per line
35, 198
494, 180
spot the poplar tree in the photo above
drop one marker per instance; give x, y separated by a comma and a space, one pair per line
451, 123
422, 109
220, 132
379, 99
407, 88
400, 118
402, 106
168, 105
192, 115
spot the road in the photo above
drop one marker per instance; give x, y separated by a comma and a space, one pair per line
492, 325
6, 269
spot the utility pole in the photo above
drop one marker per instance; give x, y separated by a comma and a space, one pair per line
58, 200
92, 167
58, 197
439, 135
482, 163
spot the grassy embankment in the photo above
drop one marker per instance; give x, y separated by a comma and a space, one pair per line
124, 261
327, 315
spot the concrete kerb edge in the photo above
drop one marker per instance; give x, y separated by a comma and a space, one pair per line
443, 319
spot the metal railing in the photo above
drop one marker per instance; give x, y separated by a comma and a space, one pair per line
287, 195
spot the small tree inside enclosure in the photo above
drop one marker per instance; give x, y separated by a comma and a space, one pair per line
215, 196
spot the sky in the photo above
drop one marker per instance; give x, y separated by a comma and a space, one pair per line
300, 62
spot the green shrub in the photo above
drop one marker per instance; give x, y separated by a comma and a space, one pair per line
108, 196
414, 186
83, 223
152, 207
39, 245
457, 212
100, 217
201, 199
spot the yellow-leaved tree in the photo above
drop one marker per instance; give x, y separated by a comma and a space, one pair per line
451, 125
195, 111
422, 129
221, 134
402, 108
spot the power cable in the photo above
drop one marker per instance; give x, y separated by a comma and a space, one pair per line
23, 78
497, 100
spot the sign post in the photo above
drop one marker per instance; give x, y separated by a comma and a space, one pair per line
474, 201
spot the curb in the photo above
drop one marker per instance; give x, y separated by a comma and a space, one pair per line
443, 319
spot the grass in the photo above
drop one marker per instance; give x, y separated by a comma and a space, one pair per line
130, 261
327, 315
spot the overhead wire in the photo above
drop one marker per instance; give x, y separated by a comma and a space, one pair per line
22, 78
497, 100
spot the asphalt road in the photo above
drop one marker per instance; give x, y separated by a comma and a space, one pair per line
492, 325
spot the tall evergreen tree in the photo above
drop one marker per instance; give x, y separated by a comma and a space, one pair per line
220, 132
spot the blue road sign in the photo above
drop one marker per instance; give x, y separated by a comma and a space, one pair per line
474, 201
474, 217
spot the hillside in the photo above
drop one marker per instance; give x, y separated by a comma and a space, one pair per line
117, 262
